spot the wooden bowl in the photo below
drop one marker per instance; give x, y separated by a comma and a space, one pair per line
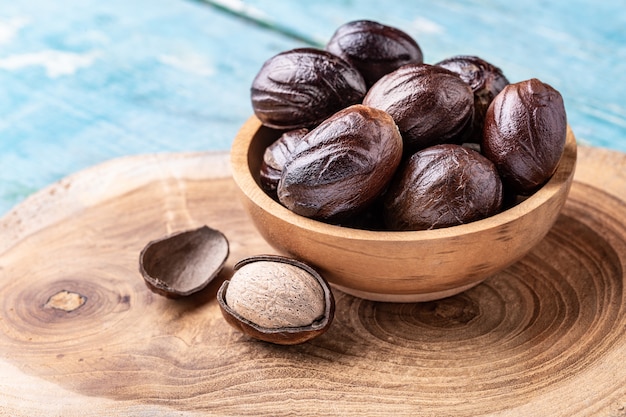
398, 266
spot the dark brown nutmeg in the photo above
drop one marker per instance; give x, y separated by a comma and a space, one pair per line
343, 165
276, 156
277, 299
441, 186
183, 263
430, 104
486, 81
302, 87
373, 48
524, 134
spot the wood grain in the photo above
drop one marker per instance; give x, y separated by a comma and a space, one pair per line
81, 335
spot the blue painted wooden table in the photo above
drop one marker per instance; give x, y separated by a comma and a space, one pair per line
84, 81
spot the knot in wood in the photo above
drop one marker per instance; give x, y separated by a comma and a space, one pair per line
451, 312
65, 300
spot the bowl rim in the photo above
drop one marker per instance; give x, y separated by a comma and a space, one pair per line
248, 185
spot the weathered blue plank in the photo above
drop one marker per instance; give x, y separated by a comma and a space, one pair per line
83, 81
577, 46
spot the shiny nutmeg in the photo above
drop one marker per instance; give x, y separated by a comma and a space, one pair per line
486, 81
430, 104
373, 48
276, 156
302, 87
277, 299
340, 167
524, 134
441, 186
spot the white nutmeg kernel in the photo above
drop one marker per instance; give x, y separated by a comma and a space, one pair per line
275, 295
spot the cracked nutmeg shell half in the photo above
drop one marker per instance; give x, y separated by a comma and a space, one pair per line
277, 299
183, 263
340, 167
486, 81
373, 48
442, 186
430, 104
302, 87
524, 134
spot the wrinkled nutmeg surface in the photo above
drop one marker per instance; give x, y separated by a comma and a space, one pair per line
430, 104
441, 186
343, 165
524, 134
277, 299
302, 87
373, 48
276, 156
275, 295
485, 80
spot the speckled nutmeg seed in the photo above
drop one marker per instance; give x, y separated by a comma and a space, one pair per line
277, 299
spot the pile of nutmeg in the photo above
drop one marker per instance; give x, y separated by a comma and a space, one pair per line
371, 136
368, 136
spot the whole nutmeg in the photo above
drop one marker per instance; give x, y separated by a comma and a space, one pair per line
524, 134
430, 104
340, 167
302, 87
441, 186
373, 48
486, 81
277, 299
276, 156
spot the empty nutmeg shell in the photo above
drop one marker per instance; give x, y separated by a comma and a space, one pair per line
277, 299
524, 134
183, 263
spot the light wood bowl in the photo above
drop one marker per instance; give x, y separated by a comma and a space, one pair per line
399, 266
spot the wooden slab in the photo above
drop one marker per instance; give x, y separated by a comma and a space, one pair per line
81, 335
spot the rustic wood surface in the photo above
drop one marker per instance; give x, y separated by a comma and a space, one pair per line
81, 335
